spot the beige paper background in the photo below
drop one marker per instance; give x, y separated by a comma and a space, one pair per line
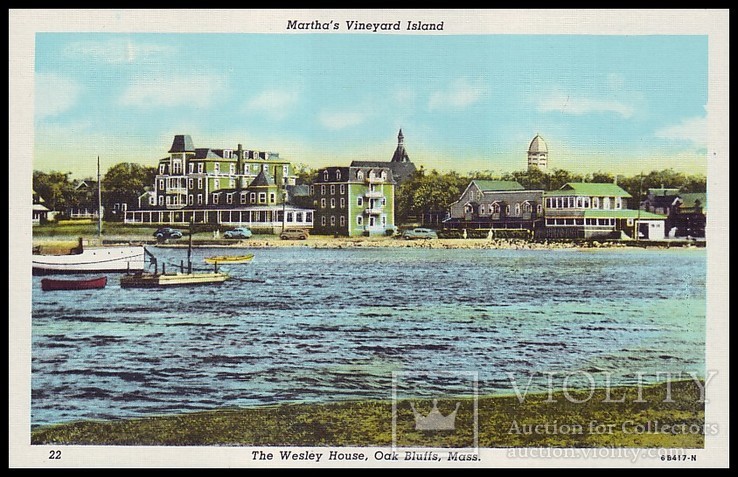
23, 26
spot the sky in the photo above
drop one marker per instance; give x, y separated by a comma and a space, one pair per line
622, 103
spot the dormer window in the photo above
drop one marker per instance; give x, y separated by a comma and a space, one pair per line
161, 168
338, 175
325, 175
384, 175
360, 175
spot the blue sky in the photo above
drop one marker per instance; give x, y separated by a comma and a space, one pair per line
621, 104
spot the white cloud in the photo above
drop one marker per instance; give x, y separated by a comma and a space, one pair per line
340, 120
692, 130
568, 104
55, 94
460, 94
173, 90
275, 104
117, 50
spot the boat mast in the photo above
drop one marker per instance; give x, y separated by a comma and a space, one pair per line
99, 201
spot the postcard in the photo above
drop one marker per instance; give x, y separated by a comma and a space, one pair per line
368, 238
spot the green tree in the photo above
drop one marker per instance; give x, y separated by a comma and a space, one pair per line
55, 188
125, 182
305, 174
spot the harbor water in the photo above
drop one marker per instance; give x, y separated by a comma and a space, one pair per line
315, 325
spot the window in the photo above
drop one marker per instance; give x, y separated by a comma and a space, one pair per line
191, 183
232, 183
343, 188
360, 175
176, 167
216, 167
262, 197
243, 197
384, 201
308, 217
507, 210
359, 220
482, 210
252, 197
289, 216
540, 208
272, 198
199, 167
322, 203
338, 175
161, 168
161, 200
298, 216
152, 200
586, 202
384, 175
333, 220
343, 203
199, 183
199, 199
215, 198
192, 167
325, 175
618, 202
333, 203
161, 184
579, 202
360, 201
232, 168
517, 208
191, 199
342, 221
322, 221
548, 202
333, 190
569, 221
384, 221
495, 208
169, 200
550, 221
229, 198
580, 221
322, 190
285, 171
606, 203
595, 202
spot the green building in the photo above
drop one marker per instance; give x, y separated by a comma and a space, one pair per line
353, 201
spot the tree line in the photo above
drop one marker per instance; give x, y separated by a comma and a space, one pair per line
425, 191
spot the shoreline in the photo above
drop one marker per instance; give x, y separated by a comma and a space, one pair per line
338, 243
623, 416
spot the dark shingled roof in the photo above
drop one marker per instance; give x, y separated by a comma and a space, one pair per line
206, 153
262, 179
182, 143
401, 171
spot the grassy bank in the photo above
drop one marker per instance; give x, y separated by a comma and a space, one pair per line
503, 421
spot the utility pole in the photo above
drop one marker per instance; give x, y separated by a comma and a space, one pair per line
284, 205
99, 202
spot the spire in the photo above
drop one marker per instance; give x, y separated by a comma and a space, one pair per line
400, 154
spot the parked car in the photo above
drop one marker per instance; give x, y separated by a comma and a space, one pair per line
294, 234
167, 233
419, 233
238, 233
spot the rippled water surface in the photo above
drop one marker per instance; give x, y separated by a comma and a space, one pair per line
300, 324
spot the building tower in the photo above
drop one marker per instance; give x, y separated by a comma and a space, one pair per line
538, 154
400, 154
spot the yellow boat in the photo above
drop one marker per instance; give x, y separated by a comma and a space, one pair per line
228, 259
